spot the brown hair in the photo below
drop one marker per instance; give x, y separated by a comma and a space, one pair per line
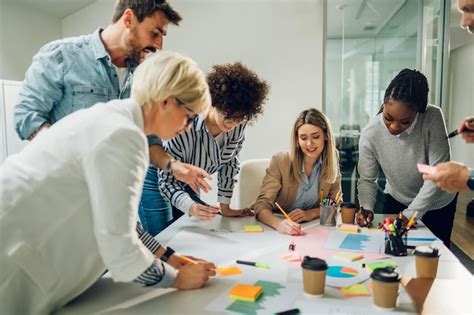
330, 166
146, 8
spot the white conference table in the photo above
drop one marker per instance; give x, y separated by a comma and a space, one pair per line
451, 293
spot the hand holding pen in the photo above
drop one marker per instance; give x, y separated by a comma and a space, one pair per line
466, 129
364, 217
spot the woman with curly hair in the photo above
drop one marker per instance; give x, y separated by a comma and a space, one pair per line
211, 143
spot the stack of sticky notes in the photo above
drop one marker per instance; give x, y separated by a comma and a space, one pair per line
245, 292
350, 228
355, 290
380, 264
348, 256
253, 228
228, 271
291, 256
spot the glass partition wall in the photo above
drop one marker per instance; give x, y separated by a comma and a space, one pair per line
368, 42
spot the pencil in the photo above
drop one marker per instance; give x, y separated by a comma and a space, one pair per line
321, 196
188, 260
283, 211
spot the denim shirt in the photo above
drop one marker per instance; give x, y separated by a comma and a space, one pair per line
307, 195
67, 75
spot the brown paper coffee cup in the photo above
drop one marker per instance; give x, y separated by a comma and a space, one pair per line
314, 275
385, 294
426, 267
348, 210
314, 281
426, 258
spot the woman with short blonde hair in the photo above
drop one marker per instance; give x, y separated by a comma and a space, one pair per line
71, 197
296, 180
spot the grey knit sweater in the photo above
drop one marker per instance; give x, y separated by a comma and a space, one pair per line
398, 156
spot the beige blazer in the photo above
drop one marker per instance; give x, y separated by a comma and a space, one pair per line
278, 186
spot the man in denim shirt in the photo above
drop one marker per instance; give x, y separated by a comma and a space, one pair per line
75, 73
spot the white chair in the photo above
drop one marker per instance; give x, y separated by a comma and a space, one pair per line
252, 173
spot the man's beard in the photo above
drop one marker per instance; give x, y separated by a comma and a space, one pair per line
136, 54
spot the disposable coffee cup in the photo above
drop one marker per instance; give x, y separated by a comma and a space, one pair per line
348, 211
385, 287
328, 215
314, 275
426, 258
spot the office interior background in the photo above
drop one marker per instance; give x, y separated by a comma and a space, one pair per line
335, 55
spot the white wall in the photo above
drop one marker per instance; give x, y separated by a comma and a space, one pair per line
461, 99
23, 30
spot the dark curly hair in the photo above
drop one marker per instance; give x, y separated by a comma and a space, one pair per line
409, 87
146, 8
237, 91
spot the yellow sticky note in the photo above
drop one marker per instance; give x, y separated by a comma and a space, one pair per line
245, 292
253, 228
228, 271
350, 228
347, 256
355, 290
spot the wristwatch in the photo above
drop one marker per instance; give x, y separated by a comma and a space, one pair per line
169, 251
168, 166
470, 180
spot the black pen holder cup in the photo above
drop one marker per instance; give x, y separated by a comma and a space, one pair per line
396, 245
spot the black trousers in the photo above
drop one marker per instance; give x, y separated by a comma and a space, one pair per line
439, 221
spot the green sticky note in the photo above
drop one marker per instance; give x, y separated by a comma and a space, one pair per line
380, 264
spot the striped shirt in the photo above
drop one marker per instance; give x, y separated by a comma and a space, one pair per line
159, 274
198, 147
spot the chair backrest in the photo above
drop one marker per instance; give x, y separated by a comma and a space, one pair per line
252, 173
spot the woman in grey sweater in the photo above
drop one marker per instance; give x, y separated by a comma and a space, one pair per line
406, 131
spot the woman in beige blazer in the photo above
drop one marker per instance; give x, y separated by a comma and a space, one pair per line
295, 179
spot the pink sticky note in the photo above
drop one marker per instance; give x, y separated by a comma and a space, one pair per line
425, 169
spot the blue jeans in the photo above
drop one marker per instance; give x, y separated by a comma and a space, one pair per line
154, 211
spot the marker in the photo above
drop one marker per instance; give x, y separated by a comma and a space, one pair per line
200, 201
456, 132
412, 220
253, 263
283, 211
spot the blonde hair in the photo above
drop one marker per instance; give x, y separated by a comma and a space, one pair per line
330, 166
166, 74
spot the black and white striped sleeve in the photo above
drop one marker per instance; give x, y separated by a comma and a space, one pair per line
171, 188
149, 241
158, 275
229, 170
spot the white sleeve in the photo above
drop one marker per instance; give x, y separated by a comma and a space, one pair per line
114, 171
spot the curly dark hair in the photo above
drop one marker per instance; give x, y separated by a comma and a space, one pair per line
146, 8
237, 91
410, 87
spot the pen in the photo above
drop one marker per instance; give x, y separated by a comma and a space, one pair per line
200, 201
283, 211
456, 132
253, 263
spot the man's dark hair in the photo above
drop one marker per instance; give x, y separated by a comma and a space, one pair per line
409, 87
237, 91
146, 8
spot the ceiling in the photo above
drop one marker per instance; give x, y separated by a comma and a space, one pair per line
56, 8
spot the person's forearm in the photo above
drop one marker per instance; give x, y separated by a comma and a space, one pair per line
266, 216
35, 133
314, 213
159, 157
